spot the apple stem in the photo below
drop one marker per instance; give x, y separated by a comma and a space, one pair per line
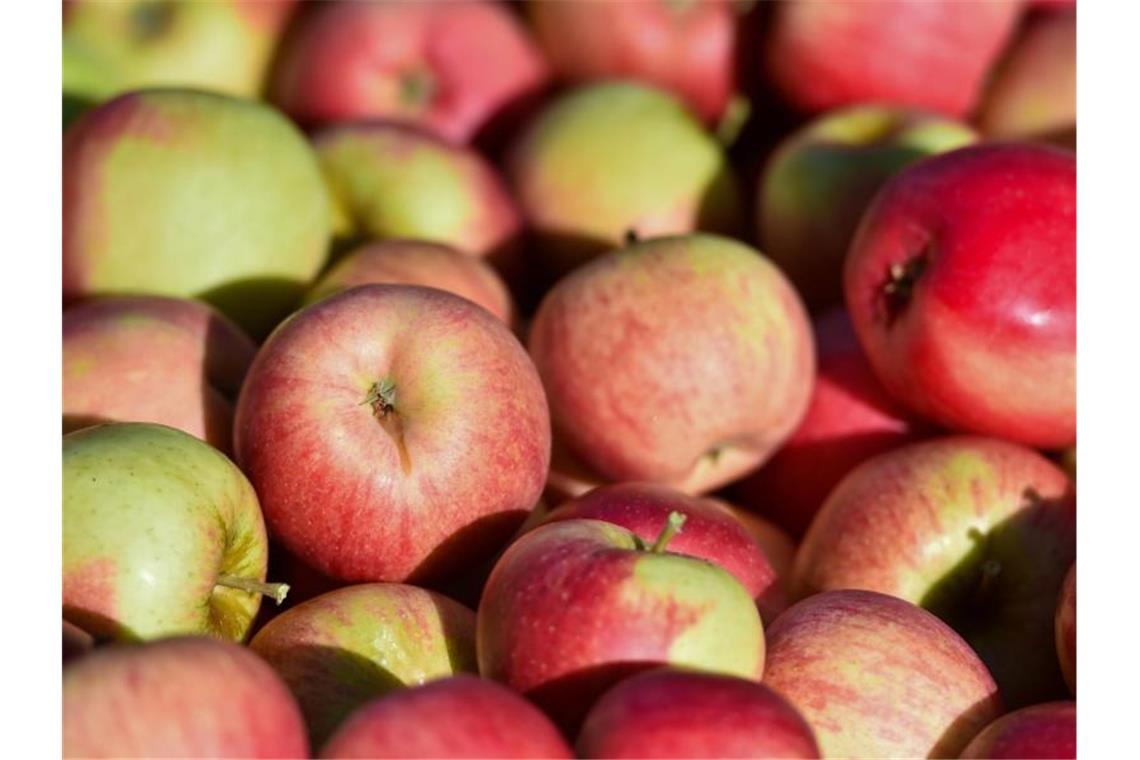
672, 528
631, 236
898, 290
275, 591
733, 119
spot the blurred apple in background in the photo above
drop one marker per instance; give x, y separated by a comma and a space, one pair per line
179, 697
1040, 731
876, 676
961, 284
1065, 629
151, 359
339, 650
162, 535
185, 193
457, 717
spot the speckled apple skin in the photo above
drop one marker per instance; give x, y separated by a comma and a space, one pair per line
1047, 730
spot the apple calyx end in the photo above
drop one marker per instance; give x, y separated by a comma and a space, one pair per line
417, 87
673, 525
898, 291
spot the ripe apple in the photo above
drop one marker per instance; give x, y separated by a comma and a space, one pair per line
876, 676
1065, 629
406, 422
778, 546
189, 696
671, 713
961, 284
616, 159
978, 531
151, 359
928, 54
457, 717
849, 419
687, 48
189, 193
820, 179
1040, 731
339, 650
574, 606
448, 67
682, 360
162, 535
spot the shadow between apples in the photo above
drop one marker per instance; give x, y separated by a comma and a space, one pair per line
464, 559
256, 304
568, 699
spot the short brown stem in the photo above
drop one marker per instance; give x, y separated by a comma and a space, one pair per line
672, 527
275, 591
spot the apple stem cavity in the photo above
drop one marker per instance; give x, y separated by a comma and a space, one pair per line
672, 527
382, 398
897, 292
417, 87
275, 591
631, 236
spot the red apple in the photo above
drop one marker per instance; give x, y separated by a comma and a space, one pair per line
179, 697
406, 422
876, 676
1041, 731
1065, 629
961, 284
457, 717
778, 546
670, 713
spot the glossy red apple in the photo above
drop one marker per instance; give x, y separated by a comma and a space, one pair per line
1065, 629
1041, 731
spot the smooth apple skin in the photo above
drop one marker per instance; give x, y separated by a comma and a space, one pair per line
684, 361
447, 67
928, 54
574, 606
687, 48
179, 697
1040, 731
152, 517
710, 532
426, 488
170, 361
961, 284
192, 194
671, 713
979, 531
850, 418
1065, 629
344, 648
458, 717
876, 676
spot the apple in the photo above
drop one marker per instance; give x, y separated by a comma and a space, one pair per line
341, 649
876, 676
448, 67
162, 535
684, 360
849, 419
820, 179
406, 422
928, 54
416, 262
1040, 731
575, 605
152, 359
188, 696
778, 546
1065, 629
196, 194
961, 284
978, 531
687, 48
608, 161
711, 532
457, 717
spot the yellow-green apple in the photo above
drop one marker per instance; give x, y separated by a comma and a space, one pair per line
1065, 629
458, 717
574, 606
1040, 731
417, 262
928, 54
675, 713
172, 361
162, 535
687, 48
188, 193
681, 360
76, 641
448, 67
849, 419
961, 284
978, 531
189, 696
711, 532
393, 432
342, 649
616, 159
820, 179
876, 676
225, 46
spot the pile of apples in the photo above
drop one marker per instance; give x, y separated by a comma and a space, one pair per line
553, 379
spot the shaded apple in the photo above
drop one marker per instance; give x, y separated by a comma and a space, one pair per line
1040, 731
1065, 629
778, 546
76, 641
